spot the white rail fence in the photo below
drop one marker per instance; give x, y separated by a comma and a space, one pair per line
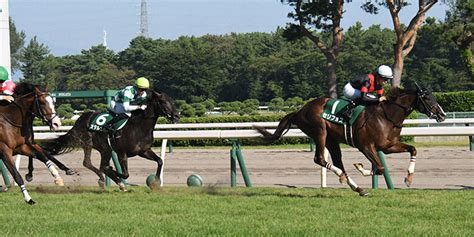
450, 127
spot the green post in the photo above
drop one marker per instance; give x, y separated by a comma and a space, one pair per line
386, 175
233, 166
375, 178
5, 174
170, 146
311, 144
243, 168
117, 167
471, 141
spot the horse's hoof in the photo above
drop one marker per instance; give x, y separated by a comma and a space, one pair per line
31, 202
359, 166
122, 187
363, 193
29, 177
101, 183
342, 179
70, 172
409, 180
59, 182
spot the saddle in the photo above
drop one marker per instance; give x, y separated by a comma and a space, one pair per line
334, 106
98, 121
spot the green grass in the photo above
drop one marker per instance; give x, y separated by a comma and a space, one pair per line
87, 211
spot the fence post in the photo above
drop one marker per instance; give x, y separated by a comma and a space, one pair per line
5, 174
471, 141
243, 168
386, 175
233, 166
117, 167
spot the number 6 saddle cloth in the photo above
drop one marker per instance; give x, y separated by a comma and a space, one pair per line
101, 119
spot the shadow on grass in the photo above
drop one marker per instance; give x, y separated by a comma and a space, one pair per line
69, 190
215, 191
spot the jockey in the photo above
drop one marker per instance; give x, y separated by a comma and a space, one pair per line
358, 89
7, 87
127, 100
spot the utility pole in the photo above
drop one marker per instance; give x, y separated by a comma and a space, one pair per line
5, 60
104, 39
143, 19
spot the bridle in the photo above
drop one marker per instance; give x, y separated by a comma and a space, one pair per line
37, 106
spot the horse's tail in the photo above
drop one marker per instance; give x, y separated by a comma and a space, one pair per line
69, 141
283, 126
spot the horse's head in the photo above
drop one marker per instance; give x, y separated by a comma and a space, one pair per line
43, 104
163, 105
428, 105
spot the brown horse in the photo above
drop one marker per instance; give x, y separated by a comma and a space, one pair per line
15, 135
377, 128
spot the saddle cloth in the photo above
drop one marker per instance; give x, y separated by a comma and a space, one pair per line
334, 106
98, 122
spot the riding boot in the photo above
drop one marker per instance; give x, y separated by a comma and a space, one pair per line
346, 113
110, 125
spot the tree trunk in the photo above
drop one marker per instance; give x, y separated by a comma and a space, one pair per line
397, 66
331, 77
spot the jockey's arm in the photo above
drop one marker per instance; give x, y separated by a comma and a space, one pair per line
128, 107
367, 99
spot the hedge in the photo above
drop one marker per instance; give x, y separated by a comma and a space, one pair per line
460, 101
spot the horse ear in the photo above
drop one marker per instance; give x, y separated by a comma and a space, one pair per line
418, 88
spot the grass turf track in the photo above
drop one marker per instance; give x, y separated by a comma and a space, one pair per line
88, 211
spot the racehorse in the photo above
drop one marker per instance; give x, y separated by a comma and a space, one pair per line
16, 136
135, 138
377, 128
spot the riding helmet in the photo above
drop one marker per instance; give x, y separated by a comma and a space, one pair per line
142, 83
385, 72
3, 74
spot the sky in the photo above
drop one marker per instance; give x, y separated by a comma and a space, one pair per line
67, 26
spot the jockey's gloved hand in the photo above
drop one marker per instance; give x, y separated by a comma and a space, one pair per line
142, 107
8, 98
382, 98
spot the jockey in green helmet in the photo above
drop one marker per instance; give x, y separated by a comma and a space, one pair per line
129, 99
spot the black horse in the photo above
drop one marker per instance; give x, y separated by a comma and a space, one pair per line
135, 138
377, 128
16, 135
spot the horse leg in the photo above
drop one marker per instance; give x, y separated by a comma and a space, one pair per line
35, 150
7, 156
402, 147
29, 175
38, 151
60, 165
320, 142
88, 164
336, 156
105, 167
150, 155
371, 154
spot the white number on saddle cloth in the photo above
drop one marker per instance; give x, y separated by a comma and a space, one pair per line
101, 119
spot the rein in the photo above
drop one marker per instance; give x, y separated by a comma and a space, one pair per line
40, 113
406, 110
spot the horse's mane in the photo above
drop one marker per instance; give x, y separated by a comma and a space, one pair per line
396, 92
24, 88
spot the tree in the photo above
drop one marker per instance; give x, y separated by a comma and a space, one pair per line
405, 35
460, 27
17, 41
325, 15
32, 57
276, 104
